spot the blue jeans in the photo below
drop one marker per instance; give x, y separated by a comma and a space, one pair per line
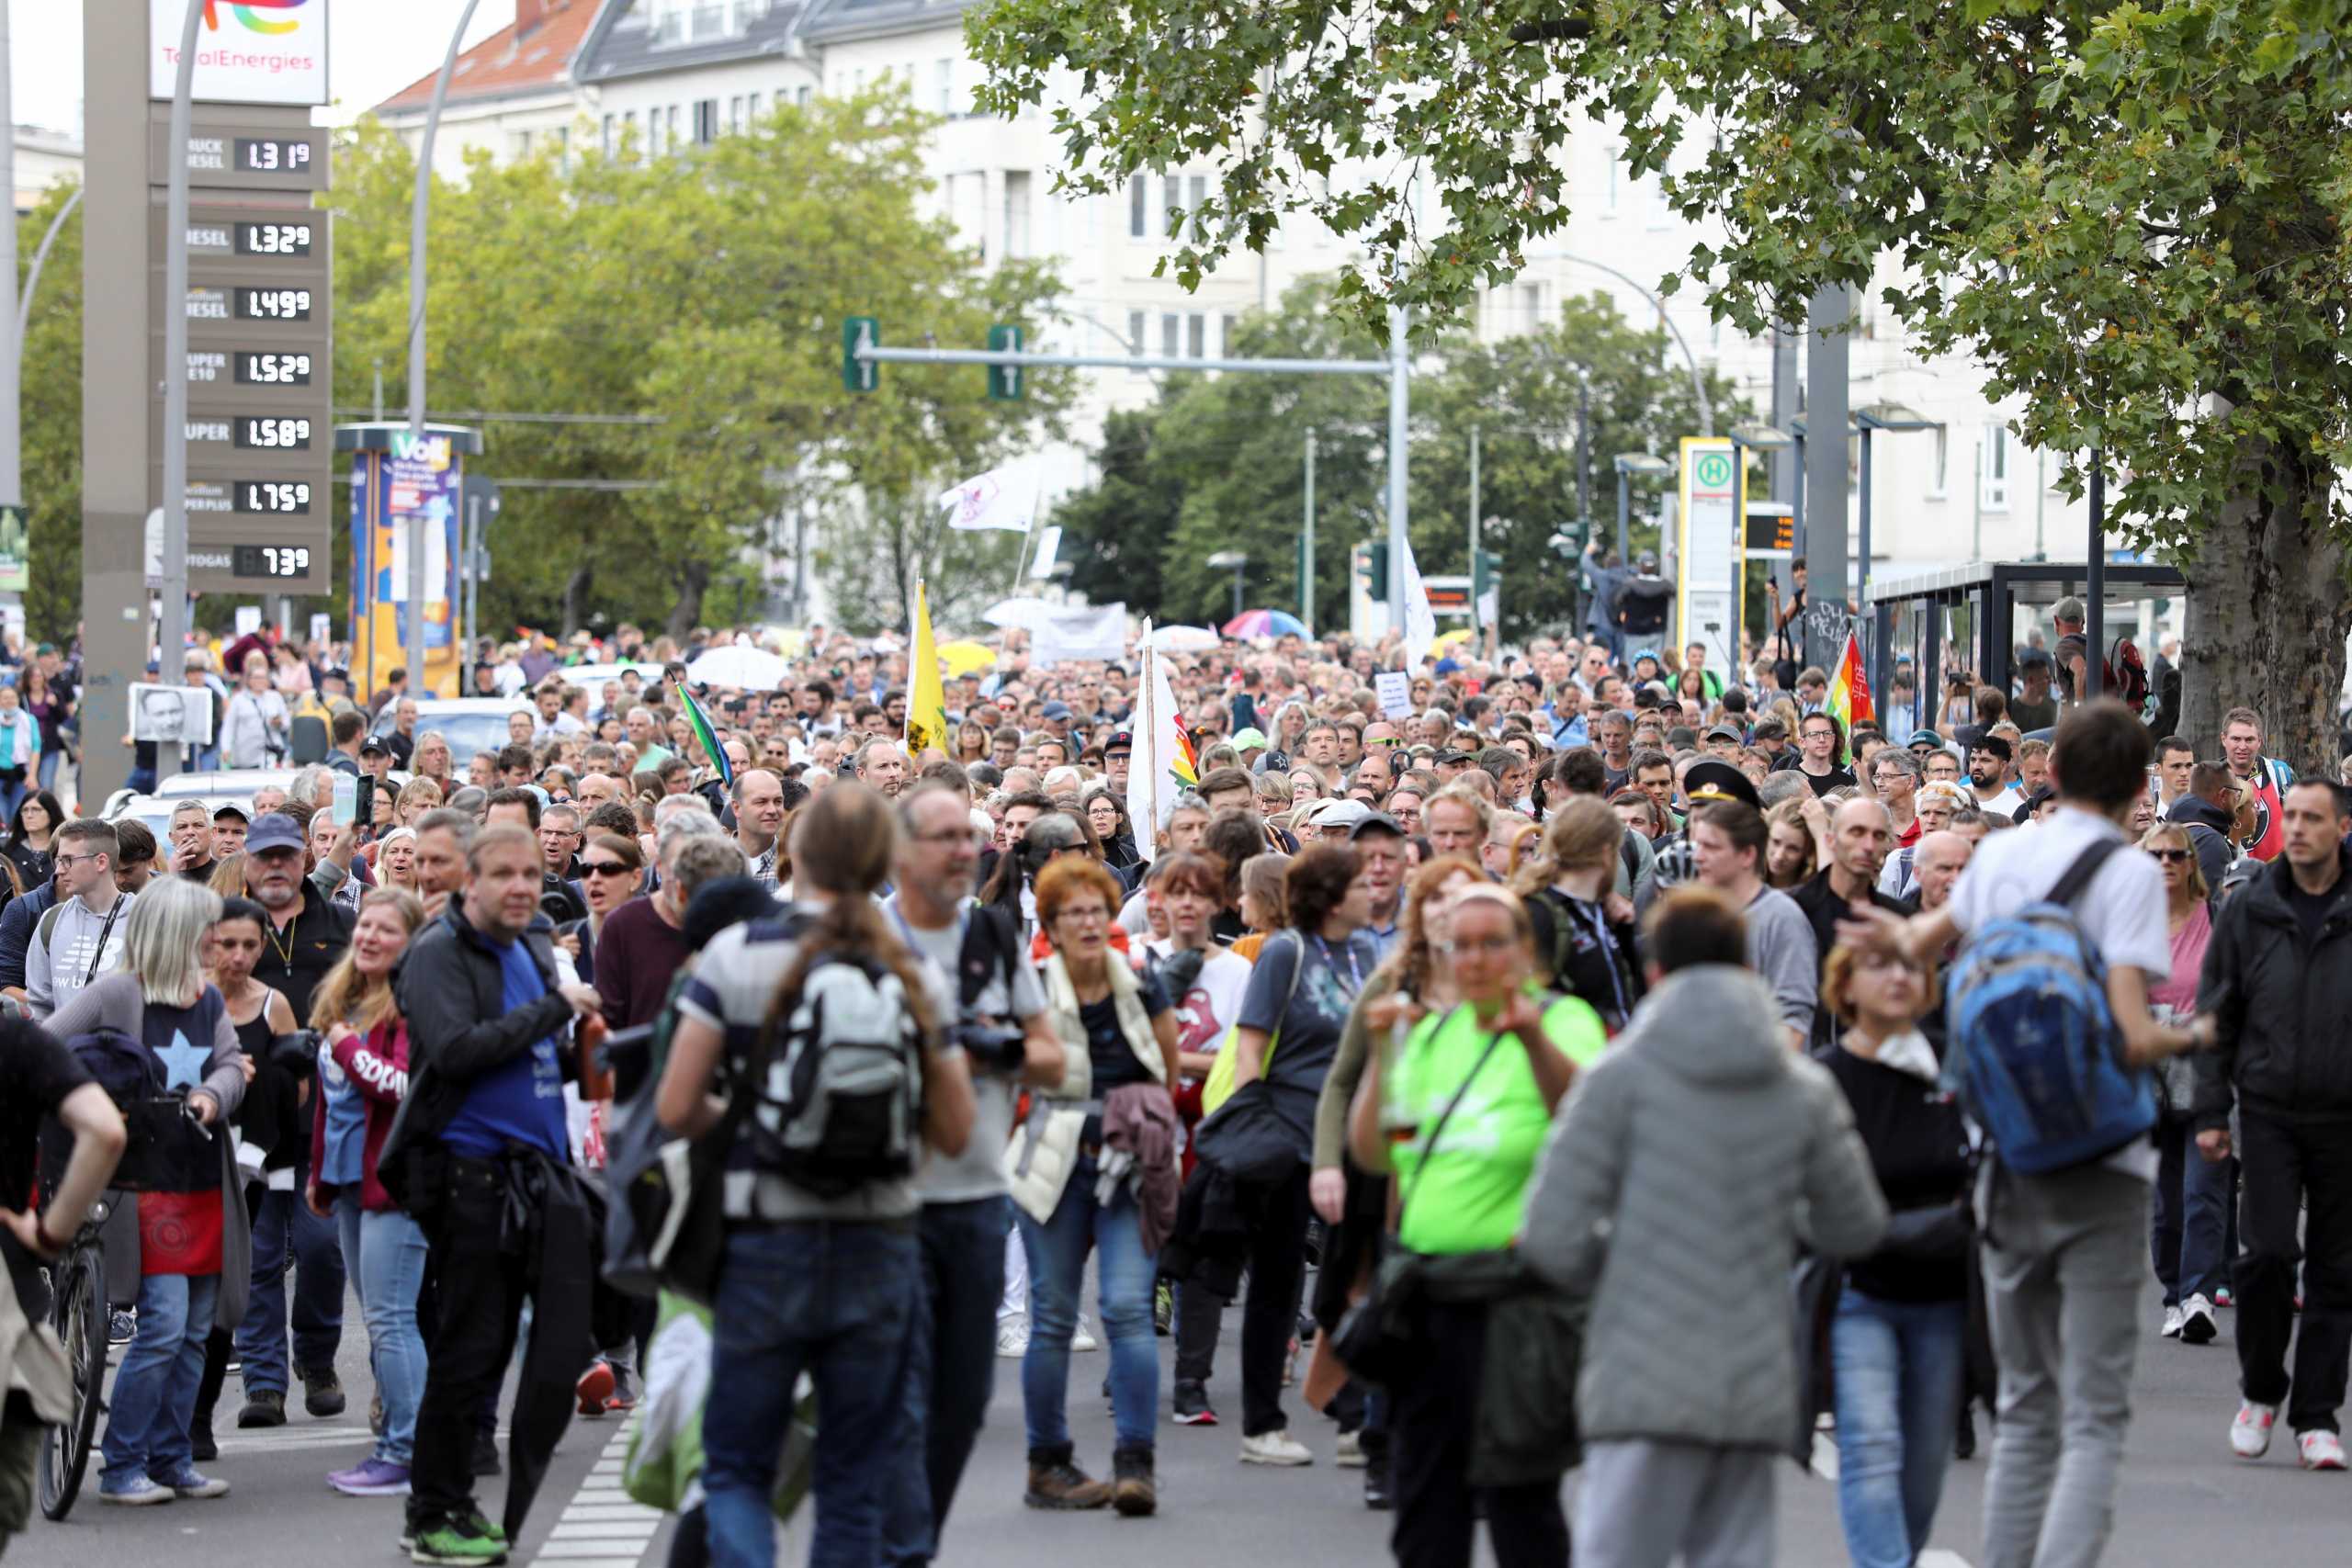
1898, 1373
154, 1394
837, 1300
2188, 1221
49, 761
12, 794
392, 1272
1056, 1252
286, 1234
953, 1360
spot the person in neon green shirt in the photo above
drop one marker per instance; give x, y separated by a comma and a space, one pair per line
1503, 1060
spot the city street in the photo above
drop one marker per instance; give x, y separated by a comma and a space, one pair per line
2184, 1502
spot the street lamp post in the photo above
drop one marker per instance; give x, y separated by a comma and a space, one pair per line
1232, 561
1649, 466
1868, 418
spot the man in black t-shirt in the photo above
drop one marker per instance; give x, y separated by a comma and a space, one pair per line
1822, 740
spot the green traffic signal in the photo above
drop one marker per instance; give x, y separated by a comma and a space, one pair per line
860, 332
1376, 559
1005, 380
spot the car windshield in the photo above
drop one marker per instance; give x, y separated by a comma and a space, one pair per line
468, 733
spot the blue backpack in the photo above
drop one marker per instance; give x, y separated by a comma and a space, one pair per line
2034, 1056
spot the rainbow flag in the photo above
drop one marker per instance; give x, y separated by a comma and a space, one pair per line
699, 722
1186, 764
1849, 692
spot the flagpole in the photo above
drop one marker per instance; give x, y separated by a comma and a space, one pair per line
1036, 504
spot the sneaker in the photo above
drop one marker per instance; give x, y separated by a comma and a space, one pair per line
455, 1542
1277, 1447
2222, 1298
263, 1407
1376, 1494
1012, 1337
375, 1478
1163, 1309
485, 1454
1057, 1483
186, 1482
623, 1397
2250, 1433
120, 1327
322, 1393
138, 1492
200, 1444
1082, 1337
594, 1389
1193, 1406
2172, 1323
479, 1522
2196, 1325
2320, 1450
1350, 1455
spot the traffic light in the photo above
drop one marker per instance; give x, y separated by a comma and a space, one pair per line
861, 332
1485, 572
1004, 380
1376, 572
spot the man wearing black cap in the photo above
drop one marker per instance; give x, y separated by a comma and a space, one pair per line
1117, 752
1724, 742
1379, 841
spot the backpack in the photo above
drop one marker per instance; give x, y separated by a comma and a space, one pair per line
836, 1087
2034, 1056
2122, 675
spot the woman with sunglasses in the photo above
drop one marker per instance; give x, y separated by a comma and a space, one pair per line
1896, 1339
612, 869
2187, 1229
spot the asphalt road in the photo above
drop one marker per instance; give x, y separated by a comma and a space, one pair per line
2184, 1502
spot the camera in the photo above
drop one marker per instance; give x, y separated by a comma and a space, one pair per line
1001, 1046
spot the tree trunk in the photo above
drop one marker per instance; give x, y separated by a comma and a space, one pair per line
575, 590
2268, 610
688, 613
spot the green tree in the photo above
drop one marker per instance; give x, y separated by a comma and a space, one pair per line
2131, 213
1113, 531
52, 421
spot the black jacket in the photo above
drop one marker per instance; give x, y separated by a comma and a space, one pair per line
2209, 835
2284, 1009
450, 991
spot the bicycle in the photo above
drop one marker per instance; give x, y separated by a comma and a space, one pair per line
79, 1308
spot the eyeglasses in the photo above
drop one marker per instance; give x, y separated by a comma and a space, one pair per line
604, 868
62, 861
2169, 856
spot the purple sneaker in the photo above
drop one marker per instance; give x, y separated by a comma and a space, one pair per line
376, 1478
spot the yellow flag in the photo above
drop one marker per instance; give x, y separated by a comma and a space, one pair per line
926, 694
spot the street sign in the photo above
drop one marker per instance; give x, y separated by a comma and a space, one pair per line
254, 51
1707, 562
1004, 380
860, 332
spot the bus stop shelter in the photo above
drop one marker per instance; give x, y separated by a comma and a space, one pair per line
1972, 619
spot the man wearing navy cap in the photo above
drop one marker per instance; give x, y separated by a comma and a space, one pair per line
1117, 752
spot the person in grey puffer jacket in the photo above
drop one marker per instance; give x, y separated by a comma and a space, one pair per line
1684, 1170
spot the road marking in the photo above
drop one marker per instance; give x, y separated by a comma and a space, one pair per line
1937, 1557
1825, 1456
602, 1526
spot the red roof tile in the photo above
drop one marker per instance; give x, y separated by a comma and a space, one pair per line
504, 64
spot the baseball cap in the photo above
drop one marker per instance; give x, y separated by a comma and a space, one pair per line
275, 831
2067, 609
2033, 802
1119, 740
1343, 814
1727, 732
1378, 822
230, 808
1448, 666
1709, 782
375, 743
1924, 737
1057, 710
1251, 739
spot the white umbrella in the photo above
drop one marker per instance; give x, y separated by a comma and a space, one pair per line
1184, 640
743, 668
1026, 614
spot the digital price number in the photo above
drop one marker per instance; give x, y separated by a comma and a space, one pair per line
268, 433
274, 239
270, 561
273, 304
261, 368
274, 154
274, 498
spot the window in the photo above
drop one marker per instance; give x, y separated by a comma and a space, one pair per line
1226, 327
1171, 333
1196, 336
706, 121
801, 97
1199, 193
563, 148
1016, 212
1135, 344
944, 85
1937, 486
612, 125
1174, 187
1608, 180
1138, 209
857, 81
1993, 468
1531, 307
735, 112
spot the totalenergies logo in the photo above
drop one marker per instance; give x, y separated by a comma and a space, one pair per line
254, 15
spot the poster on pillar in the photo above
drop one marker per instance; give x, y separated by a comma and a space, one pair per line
1708, 571
388, 490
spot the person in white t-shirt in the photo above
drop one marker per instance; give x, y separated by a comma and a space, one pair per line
2068, 1247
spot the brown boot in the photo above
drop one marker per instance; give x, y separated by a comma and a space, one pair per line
1132, 1492
1056, 1482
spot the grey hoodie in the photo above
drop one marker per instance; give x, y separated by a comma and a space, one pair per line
79, 945
1682, 1173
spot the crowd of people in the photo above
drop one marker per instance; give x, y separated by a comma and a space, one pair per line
1561, 1071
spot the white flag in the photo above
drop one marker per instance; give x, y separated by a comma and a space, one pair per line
1003, 498
1420, 621
1078, 631
1144, 767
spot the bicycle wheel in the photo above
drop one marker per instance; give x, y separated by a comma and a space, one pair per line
80, 1318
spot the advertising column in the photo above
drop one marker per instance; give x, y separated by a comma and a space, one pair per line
395, 479
1708, 581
